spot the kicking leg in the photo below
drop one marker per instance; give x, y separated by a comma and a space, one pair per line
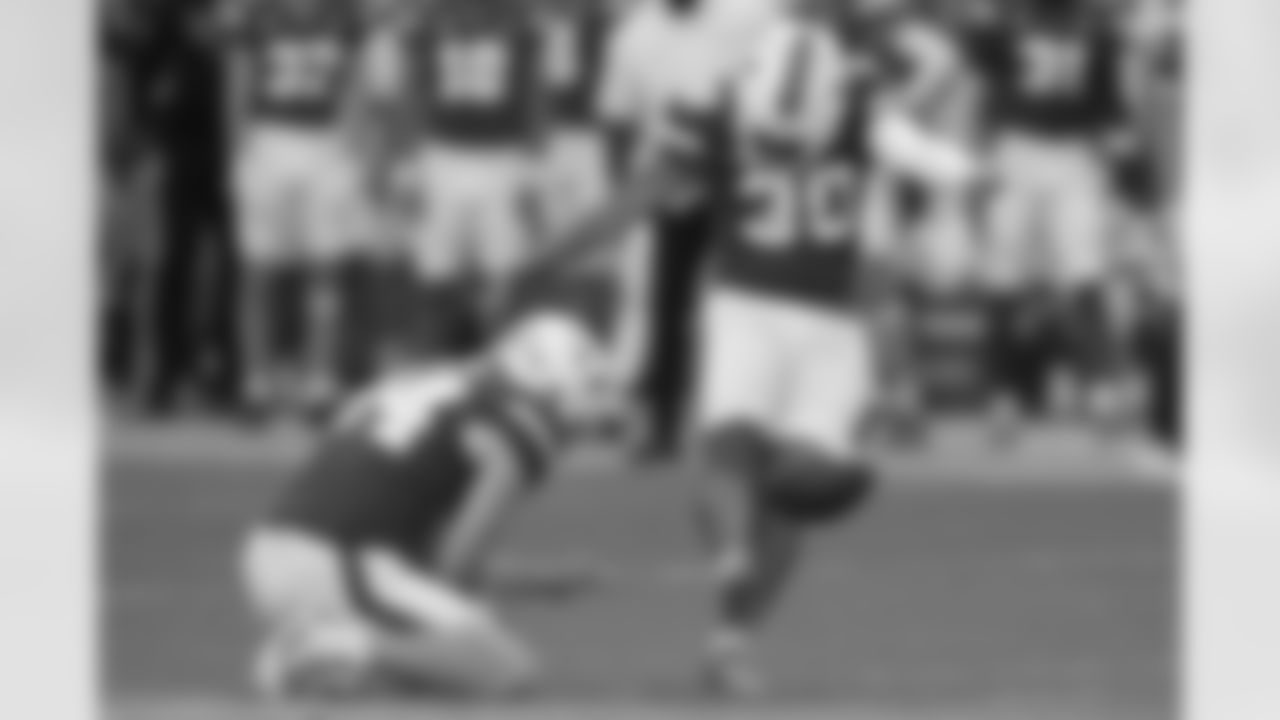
752, 554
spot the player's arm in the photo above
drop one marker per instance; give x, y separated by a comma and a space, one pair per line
660, 172
498, 484
637, 197
900, 141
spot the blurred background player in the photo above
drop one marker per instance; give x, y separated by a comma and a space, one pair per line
787, 376
470, 71
1147, 183
295, 179
646, 103
575, 34
367, 575
172, 267
924, 69
1054, 89
134, 46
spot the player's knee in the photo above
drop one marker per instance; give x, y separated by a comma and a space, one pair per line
815, 491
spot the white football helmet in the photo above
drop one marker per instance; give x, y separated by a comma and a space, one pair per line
553, 355
792, 86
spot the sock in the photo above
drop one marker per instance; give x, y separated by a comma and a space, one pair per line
323, 332
359, 335
269, 295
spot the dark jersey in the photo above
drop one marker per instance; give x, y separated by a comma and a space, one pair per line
789, 223
400, 464
575, 34
302, 57
476, 71
874, 38
1053, 81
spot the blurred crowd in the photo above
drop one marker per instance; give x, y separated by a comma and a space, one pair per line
1055, 293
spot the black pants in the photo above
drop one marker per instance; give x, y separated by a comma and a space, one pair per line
668, 374
1160, 354
1025, 343
193, 319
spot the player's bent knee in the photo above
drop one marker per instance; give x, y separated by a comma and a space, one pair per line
816, 492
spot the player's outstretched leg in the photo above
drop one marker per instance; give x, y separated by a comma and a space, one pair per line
755, 516
727, 517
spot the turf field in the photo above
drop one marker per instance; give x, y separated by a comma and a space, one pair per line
1037, 588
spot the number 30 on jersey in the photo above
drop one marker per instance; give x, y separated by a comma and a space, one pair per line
812, 207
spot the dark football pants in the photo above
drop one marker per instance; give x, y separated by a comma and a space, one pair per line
193, 310
667, 375
1160, 354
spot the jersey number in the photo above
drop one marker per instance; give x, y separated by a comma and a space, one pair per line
474, 72
302, 69
814, 208
1052, 68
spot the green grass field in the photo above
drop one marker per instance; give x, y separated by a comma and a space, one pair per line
1050, 594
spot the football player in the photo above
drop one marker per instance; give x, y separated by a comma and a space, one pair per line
294, 63
1148, 182
474, 75
787, 367
925, 71
1055, 93
642, 103
366, 574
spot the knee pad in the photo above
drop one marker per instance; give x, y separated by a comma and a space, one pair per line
811, 491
